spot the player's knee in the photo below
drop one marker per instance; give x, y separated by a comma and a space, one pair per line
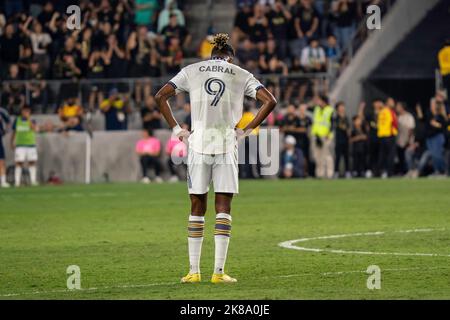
198, 205
223, 208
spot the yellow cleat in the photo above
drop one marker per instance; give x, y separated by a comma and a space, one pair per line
222, 278
192, 278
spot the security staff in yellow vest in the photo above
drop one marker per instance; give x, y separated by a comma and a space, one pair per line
322, 131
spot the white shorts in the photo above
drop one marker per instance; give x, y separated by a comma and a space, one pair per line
23, 154
222, 169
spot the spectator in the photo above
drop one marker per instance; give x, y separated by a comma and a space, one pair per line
416, 155
205, 48
177, 153
151, 117
71, 115
290, 125
435, 128
342, 129
371, 125
4, 123
313, 58
24, 62
149, 149
46, 15
291, 159
98, 62
143, 61
173, 56
13, 93
117, 67
67, 66
116, 111
10, 46
345, 15
23, 142
258, 24
37, 86
269, 61
444, 65
175, 30
359, 142
332, 50
145, 11
278, 18
241, 26
405, 137
40, 40
387, 132
248, 55
306, 22
322, 131
303, 136
169, 10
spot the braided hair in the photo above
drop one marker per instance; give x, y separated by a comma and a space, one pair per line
221, 46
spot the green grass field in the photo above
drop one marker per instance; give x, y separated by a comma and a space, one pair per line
130, 241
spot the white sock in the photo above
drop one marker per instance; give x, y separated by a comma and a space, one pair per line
3, 179
195, 240
18, 175
32, 170
222, 239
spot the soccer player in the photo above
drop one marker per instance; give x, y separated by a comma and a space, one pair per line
23, 140
216, 89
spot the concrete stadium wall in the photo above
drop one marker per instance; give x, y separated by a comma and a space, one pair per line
112, 155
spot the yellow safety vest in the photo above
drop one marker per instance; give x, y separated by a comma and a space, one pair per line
322, 121
444, 60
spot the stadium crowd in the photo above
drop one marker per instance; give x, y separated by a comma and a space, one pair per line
273, 39
116, 39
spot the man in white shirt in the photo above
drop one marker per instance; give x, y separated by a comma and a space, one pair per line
405, 137
216, 89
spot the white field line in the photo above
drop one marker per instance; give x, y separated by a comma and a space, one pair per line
291, 244
132, 286
124, 286
286, 244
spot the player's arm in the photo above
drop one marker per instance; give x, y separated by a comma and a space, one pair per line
268, 104
162, 100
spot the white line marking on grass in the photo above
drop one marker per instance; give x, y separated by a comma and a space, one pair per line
131, 286
338, 273
290, 244
123, 286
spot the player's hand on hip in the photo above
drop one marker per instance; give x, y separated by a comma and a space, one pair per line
181, 133
241, 134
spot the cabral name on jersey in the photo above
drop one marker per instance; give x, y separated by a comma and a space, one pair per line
216, 69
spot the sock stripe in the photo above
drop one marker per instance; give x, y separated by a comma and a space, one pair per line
223, 227
195, 228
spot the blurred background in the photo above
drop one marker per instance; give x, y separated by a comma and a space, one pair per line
353, 102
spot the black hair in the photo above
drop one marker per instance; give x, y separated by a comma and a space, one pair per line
340, 103
221, 47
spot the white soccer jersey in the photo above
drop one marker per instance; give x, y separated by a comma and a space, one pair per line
216, 89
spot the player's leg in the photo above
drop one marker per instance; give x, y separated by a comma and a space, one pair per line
32, 159
225, 178
19, 158
196, 227
198, 178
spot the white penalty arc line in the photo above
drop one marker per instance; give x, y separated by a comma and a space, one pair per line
291, 244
